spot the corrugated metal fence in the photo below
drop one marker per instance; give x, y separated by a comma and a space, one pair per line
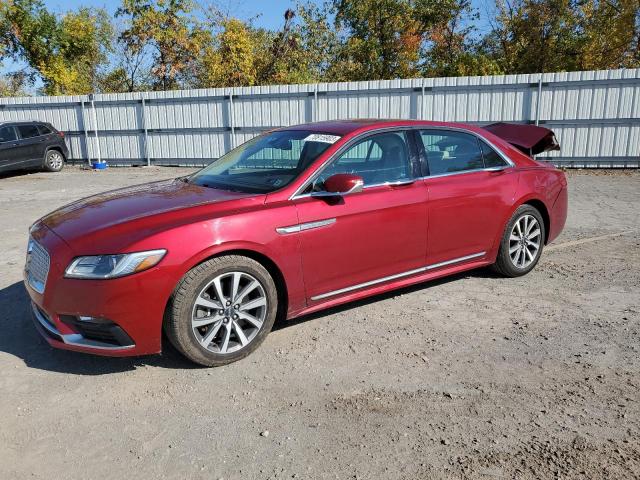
596, 115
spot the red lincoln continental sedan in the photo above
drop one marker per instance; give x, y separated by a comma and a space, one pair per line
293, 221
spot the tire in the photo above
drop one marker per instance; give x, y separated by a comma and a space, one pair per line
513, 259
53, 161
214, 333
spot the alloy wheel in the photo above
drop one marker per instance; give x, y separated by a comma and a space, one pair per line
524, 241
55, 160
229, 312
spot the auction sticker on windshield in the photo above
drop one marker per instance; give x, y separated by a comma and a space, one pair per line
318, 137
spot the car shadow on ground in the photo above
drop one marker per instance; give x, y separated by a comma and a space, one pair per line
478, 273
16, 173
21, 339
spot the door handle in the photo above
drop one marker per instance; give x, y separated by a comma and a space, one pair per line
400, 183
496, 170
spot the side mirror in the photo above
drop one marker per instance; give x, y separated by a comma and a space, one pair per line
341, 184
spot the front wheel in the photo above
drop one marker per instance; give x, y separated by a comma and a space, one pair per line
53, 161
522, 243
222, 310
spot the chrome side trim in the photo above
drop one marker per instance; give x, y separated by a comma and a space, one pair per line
74, 339
305, 226
455, 260
397, 275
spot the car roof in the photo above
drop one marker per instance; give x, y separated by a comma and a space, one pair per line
345, 127
22, 122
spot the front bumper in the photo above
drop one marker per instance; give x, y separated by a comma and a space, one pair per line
76, 341
118, 317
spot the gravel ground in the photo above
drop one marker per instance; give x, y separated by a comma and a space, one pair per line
470, 377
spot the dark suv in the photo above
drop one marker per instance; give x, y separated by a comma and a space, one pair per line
31, 145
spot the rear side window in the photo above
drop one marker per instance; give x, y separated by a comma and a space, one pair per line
28, 131
449, 152
491, 157
7, 134
44, 130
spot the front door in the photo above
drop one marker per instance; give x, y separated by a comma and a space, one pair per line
363, 238
9, 151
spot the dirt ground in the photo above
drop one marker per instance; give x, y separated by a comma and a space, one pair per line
471, 377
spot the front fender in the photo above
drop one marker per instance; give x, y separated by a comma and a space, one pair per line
255, 231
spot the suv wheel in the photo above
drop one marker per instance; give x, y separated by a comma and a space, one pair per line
222, 310
53, 161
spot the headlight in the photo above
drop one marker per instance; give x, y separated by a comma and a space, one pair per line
112, 266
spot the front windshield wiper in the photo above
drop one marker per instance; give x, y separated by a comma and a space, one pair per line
221, 187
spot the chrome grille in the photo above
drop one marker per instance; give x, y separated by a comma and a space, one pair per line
37, 266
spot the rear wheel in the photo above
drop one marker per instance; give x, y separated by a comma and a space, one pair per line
222, 310
522, 243
53, 161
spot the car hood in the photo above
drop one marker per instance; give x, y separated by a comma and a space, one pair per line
124, 206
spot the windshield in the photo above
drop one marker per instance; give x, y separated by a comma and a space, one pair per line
265, 163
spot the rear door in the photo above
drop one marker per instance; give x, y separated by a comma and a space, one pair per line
31, 144
9, 150
471, 186
363, 239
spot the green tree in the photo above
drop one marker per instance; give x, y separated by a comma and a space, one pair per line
67, 53
297, 53
451, 49
230, 60
13, 85
611, 34
383, 38
537, 36
169, 30
241, 54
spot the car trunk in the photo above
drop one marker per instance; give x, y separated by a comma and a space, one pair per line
530, 139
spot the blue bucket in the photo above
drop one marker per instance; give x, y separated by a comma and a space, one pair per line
99, 165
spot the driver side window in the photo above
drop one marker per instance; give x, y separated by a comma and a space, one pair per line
378, 159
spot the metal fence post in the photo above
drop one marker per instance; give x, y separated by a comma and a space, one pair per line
314, 108
86, 132
232, 120
423, 100
539, 100
95, 125
146, 133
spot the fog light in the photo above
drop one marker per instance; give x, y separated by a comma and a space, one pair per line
97, 329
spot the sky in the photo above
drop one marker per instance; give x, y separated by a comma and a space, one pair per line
271, 11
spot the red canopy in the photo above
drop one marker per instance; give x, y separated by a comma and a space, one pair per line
531, 139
